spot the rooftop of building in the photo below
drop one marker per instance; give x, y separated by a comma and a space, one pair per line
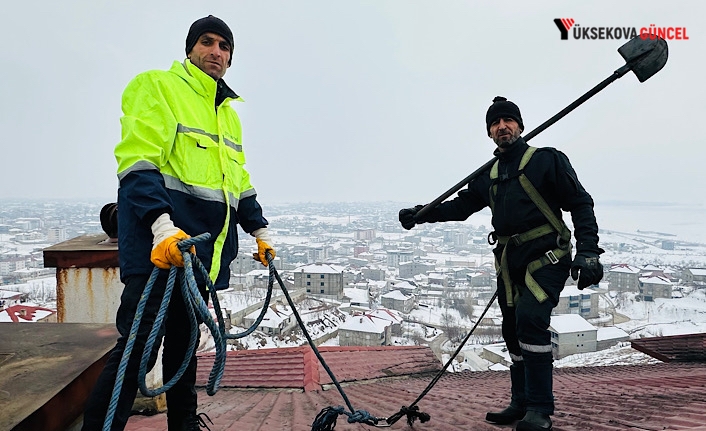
261, 392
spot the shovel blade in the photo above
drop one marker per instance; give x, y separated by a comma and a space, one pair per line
645, 56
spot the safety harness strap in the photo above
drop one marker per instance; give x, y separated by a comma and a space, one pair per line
558, 225
551, 257
494, 173
528, 236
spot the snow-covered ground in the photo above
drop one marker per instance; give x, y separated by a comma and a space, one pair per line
664, 316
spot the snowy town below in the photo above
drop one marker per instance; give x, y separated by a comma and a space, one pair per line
358, 278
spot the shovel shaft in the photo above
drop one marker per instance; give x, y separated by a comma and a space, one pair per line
420, 214
575, 104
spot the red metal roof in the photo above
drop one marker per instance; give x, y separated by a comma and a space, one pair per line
675, 348
298, 368
646, 397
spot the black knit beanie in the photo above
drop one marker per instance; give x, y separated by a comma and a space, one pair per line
502, 108
205, 25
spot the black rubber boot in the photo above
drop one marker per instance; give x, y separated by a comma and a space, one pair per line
516, 410
518, 389
188, 422
534, 421
539, 382
505, 417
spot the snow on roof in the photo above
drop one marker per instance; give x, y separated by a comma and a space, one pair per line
386, 314
366, 323
356, 295
320, 268
573, 290
258, 272
396, 294
624, 268
568, 323
650, 268
697, 271
655, 280
499, 349
403, 285
274, 316
6, 294
399, 251
610, 333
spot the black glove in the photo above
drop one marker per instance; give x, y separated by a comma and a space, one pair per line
587, 269
407, 216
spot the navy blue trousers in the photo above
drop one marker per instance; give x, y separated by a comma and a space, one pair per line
181, 398
526, 333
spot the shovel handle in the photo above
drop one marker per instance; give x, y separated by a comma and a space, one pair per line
420, 214
539, 129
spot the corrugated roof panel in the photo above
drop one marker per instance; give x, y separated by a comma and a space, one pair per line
645, 397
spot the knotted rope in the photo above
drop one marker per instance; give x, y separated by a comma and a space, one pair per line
196, 308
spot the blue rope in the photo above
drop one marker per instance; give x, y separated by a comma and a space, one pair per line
195, 306
112, 406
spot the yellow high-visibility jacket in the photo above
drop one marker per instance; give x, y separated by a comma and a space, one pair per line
181, 153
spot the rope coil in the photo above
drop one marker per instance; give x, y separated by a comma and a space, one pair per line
196, 309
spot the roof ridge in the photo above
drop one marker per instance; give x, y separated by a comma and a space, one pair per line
311, 371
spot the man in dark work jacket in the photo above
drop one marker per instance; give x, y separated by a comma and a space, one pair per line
527, 191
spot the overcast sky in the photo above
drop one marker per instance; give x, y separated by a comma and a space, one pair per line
350, 101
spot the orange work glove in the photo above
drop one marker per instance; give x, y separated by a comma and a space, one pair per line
263, 245
165, 251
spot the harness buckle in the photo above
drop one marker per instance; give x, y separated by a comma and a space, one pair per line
516, 240
560, 244
552, 257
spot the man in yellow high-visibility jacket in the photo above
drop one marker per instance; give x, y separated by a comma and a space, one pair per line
180, 166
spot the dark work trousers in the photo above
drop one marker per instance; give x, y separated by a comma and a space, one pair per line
181, 398
526, 333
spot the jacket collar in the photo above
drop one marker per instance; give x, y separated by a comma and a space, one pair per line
202, 83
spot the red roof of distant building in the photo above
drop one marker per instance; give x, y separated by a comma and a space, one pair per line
299, 368
675, 348
26, 313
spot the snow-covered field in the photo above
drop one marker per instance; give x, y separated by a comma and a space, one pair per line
664, 316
